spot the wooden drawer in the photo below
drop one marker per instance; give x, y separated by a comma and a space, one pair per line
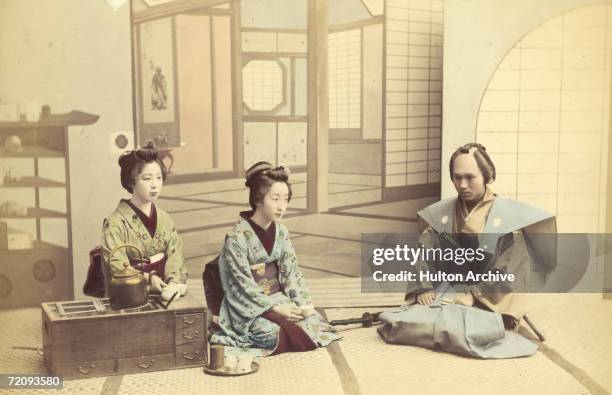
187, 335
145, 364
189, 320
83, 370
191, 354
189, 328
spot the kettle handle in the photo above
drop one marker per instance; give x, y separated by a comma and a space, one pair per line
127, 245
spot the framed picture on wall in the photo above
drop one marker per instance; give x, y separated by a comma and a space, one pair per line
158, 119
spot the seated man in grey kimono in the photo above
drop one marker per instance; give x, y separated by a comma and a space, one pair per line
499, 226
139, 222
266, 303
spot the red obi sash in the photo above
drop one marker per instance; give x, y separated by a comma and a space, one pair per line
156, 263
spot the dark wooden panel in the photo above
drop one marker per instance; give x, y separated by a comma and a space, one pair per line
113, 337
394, 194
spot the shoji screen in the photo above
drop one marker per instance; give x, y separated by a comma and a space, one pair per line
414, 35
544, 117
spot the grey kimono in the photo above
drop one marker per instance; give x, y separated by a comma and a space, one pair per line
462, 330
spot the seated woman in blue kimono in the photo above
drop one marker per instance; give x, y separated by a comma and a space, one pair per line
138, 221
266, 303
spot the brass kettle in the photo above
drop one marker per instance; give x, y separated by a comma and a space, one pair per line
128, 287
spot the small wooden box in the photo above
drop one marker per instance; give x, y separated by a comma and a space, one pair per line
86, 339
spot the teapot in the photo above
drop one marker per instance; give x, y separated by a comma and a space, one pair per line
128, 287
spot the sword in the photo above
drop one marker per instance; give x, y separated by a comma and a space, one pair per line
366, 320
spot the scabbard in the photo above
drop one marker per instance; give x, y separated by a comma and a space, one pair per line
348, 321
367, 319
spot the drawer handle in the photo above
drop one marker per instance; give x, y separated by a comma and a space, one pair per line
83, 370
189, 322
146, 366
186, 336
189, 357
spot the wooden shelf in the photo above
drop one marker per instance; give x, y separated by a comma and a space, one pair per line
31, 151
35, 212
21, 125
36, 182
39, 247
47, 138
74, 117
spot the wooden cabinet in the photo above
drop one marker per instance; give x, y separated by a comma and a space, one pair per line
86, 339
38, 152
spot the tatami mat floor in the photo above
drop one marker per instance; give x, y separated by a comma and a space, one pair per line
308, 373
388, 368
575, 359
579, 328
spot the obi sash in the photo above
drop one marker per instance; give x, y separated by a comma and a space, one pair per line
156, 263
266, 276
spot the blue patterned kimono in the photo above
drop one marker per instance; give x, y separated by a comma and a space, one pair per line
244, 300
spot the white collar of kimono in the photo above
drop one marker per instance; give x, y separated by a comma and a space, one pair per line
258, 250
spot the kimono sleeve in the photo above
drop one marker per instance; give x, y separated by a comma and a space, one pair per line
292, 279
511, 256
175, 263
114, 234
428, 239
241, 292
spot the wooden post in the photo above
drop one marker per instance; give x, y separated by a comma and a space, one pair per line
609, 175
237, 125
607, 286
318, 108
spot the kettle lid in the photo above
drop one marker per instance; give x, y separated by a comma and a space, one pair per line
127, 271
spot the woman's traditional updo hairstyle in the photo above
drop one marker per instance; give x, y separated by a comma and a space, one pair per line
259, 179
132, 162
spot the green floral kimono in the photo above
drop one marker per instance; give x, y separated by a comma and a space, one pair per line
245, 300
124, 226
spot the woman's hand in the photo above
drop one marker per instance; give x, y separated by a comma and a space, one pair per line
426, 297
325, 327
173, 288
288, 311
155, 282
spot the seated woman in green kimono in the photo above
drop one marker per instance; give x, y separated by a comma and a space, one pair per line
138, 221
266, 303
